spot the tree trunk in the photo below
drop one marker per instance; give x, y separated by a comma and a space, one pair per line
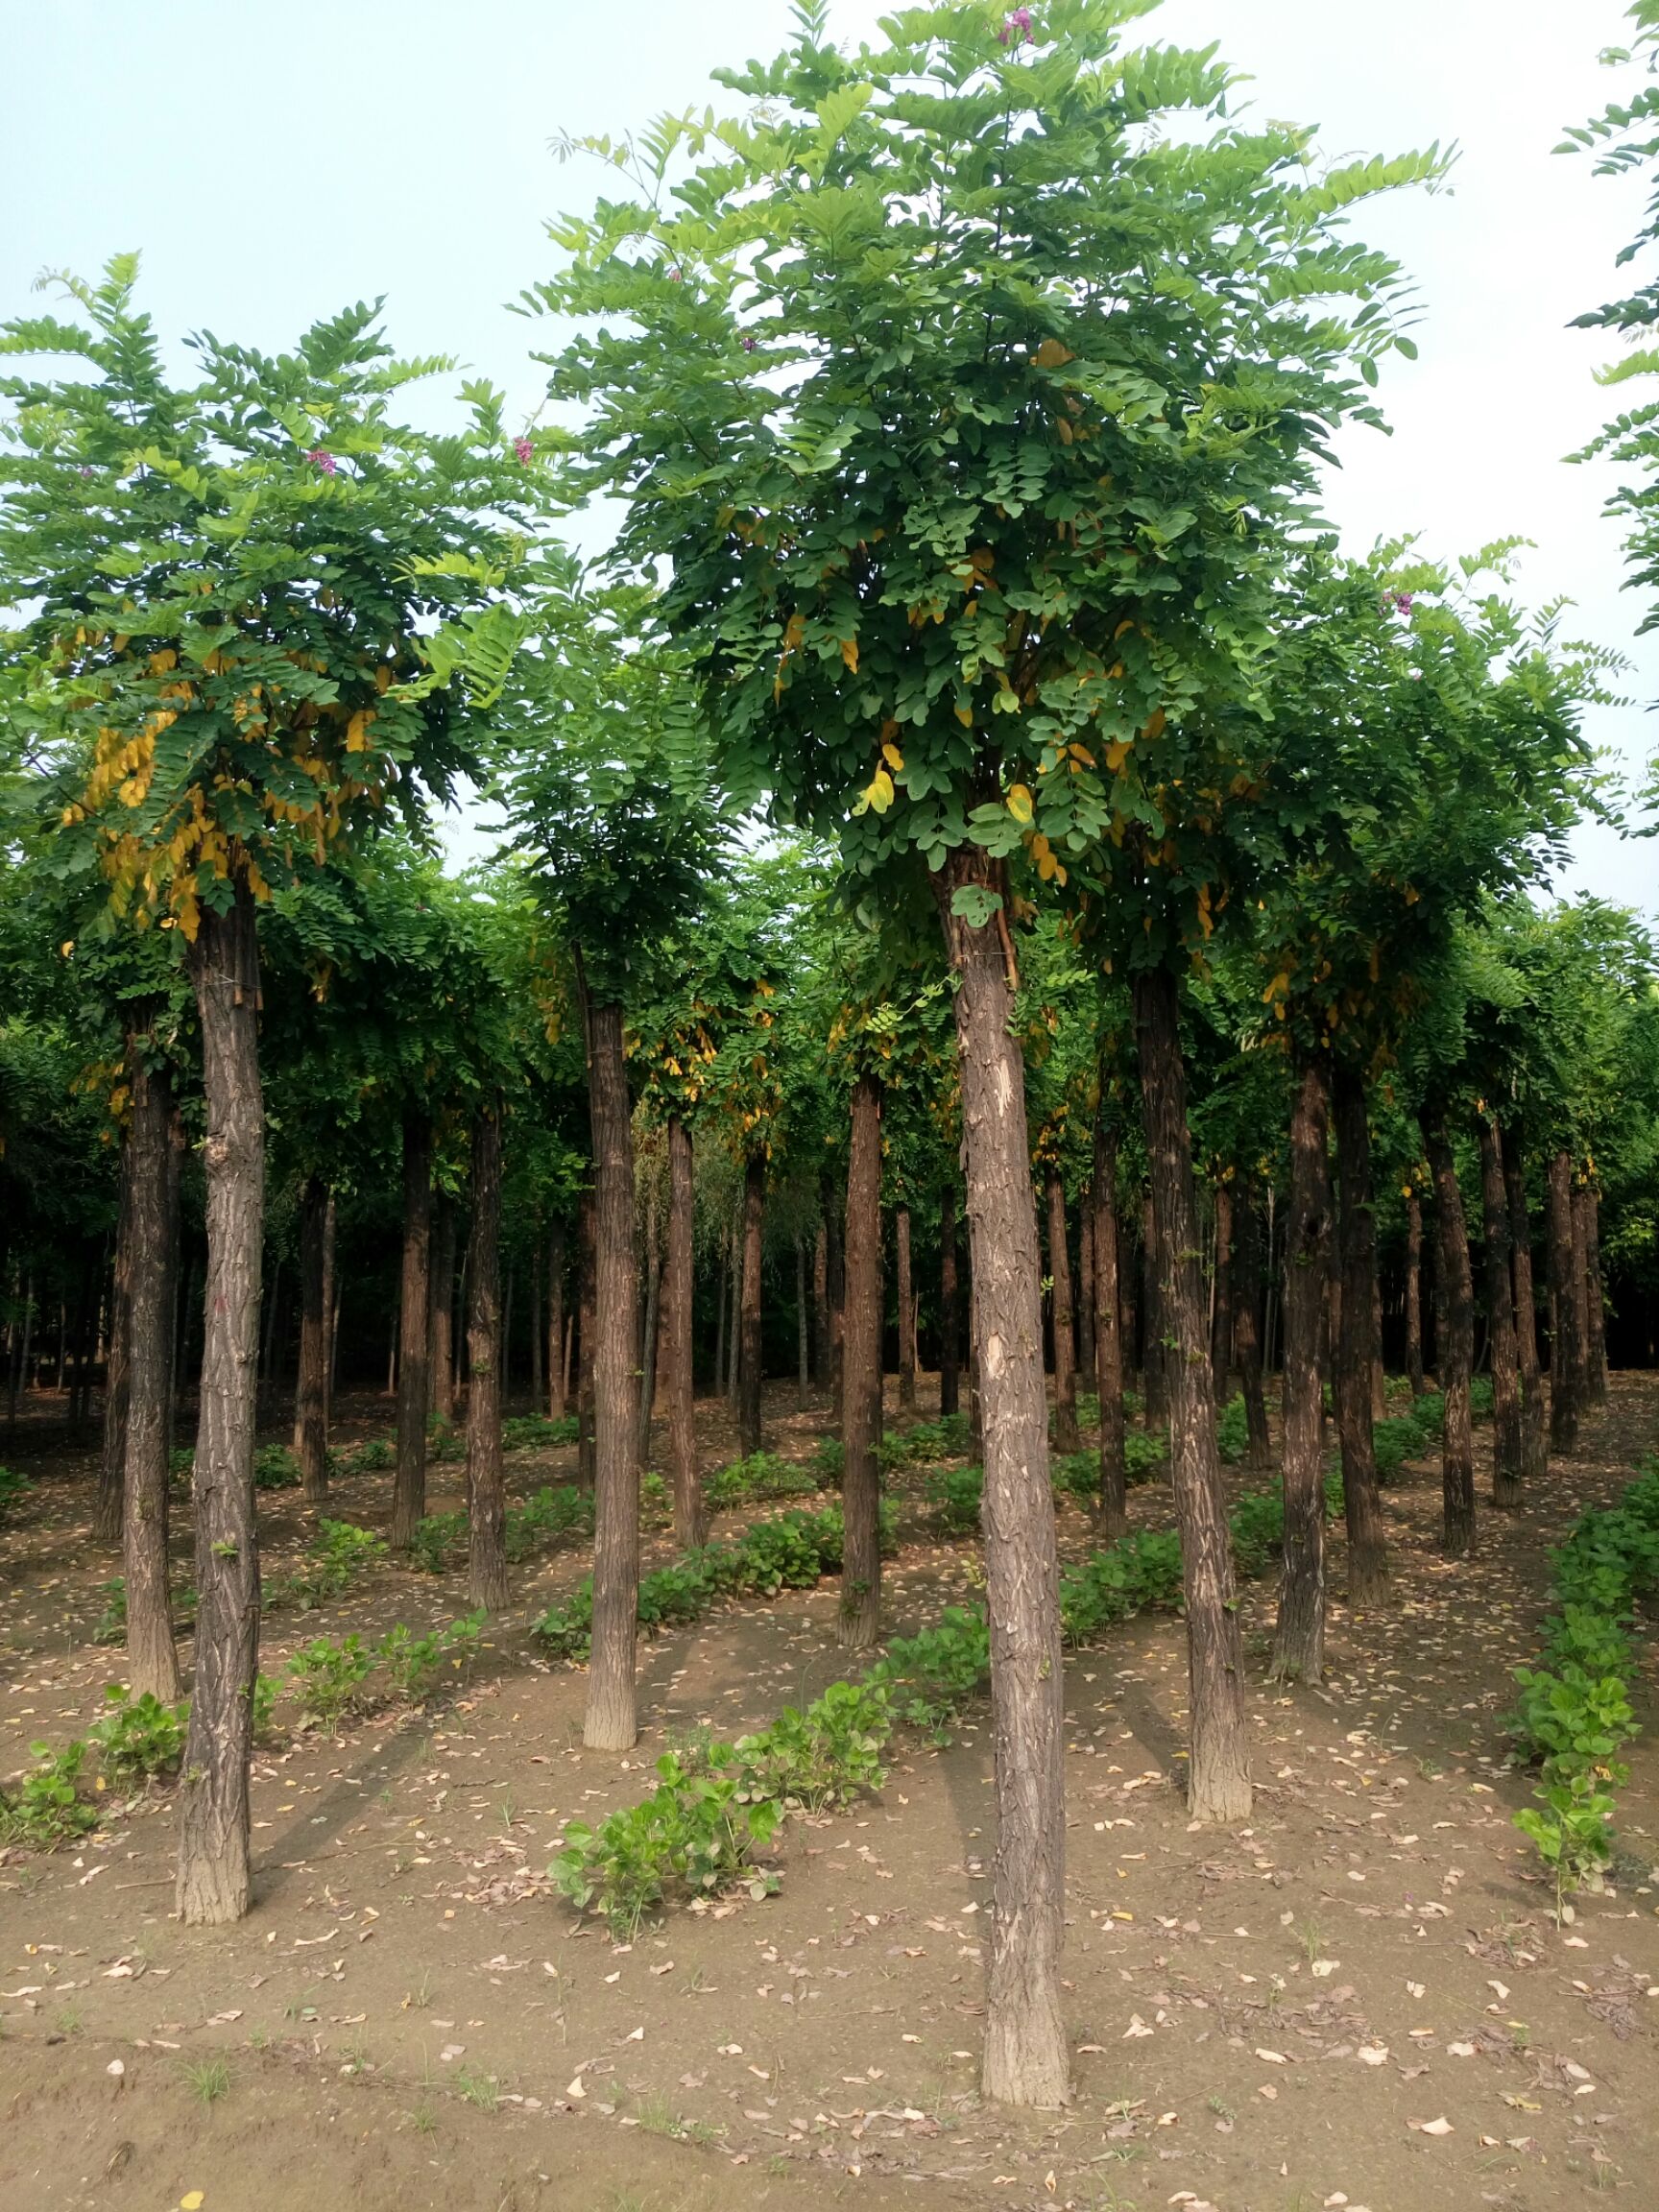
802, 1327
821, 1355
108, 1519
689, 1527
860, 1616
441, 1334
1088, 1358
734, 1329
1026, 2060
1581, 1384
587, 1330
609, 1723
950, 1323
1247, 1324
1456, 1348
311, 1389
1355, 1352
538, 1338
1066, 1438
1596, 1339
1221, 1306
1566, 1359
721, 1303
1154, 1367
213, 1883
558, 1385
649, 1332
1218, 1783
486, 1490
837, 1266
1109, 1336
409, 1484
1378, 1375
749, 1331
1534, 1420
906, 1310
1500, 1318
1299, 1639
330, 1316
1414, 1294
152, 1661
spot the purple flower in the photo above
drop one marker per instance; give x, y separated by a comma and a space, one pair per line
673, 276
1020, 19
525, 451
83, 470
324, 459
1403, 600
749, 344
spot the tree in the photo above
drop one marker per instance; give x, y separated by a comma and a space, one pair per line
234, 580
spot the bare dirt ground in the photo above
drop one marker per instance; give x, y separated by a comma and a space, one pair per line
1360, 1999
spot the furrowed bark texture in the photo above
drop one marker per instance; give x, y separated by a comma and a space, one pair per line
1299, 1638
1026, 2060
311, 1390
1087, 1360
1457, 1349
906, 1308
409, 1488
441, 1336
821, 1355
689, 1530
213, 1878
1221, 1305
1596, 1340
556, 1378
949, 1318
609, 1723
1566, 1358
586, 1328
108, 1517
1355, 1350
1414, 1294
1218, 1783
1500, 1318
1108, 1334
1247, 1323
1534, 1415
152, 1661
860, 1616
486, 1489
1066, 1438
748, 1337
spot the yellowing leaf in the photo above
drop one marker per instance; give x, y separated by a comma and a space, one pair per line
880, 792
849, 653
191, 2201
965, 715
358, 729
893, 757
1154, 724
1051, 354
1020, 802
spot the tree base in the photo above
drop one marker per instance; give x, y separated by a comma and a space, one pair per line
1218, 1793
1026, 2060
609, 1722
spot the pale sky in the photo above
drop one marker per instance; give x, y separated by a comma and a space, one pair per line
274, 162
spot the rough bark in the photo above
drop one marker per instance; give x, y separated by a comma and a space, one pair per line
1583, 1388
486, 1489
409, 1483
557, 1381
1088, 1358
1026, 2059
152, 1660
1414, 1294
690, 1525
586, 1331
609, 1723
311, 1388
539, 1336
860, 1615
1534, 1417
1221, 1304
1114, 1507
950, 1321
108, 1517
1455, 1350
1218, 1778
1247, 1285
803, 1327
836, 1259
1566, 1358
821, 1354
1154, 1362
648, 1334
906, 1308
1299, 1638
748, 1438
1500, 1318
1595, 1338
213, 1878
1355, 1350
1060, 1318
441, 1336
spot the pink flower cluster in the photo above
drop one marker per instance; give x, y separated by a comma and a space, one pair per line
1018, 21
324, 459
525, 451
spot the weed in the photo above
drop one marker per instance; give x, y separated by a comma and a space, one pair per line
326, 1675
14, 1489
138, 1735
276, 1468
209, 2079
414, 1663
552, 1513
424, 2120
478, 2088
432, 1540
46, 1808
535, 1432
